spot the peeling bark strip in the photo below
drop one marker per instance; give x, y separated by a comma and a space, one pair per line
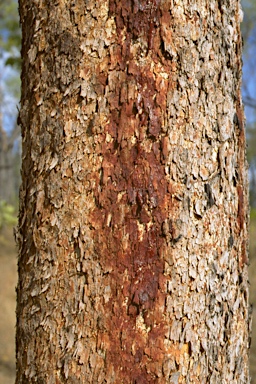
133, 202
133, 210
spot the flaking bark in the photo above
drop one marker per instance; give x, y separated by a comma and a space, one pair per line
133, 210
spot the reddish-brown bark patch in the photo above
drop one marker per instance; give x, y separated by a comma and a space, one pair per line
133, 202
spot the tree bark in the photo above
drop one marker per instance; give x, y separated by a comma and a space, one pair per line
134, 207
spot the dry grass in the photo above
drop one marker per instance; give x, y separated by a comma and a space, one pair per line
8, 279
252, 278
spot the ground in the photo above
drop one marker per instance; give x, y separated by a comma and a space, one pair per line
8, 281
252, 278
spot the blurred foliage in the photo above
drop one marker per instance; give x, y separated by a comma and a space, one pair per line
10, 42
10, 33
251, 146
7, 214
13, 85
253, 214
10, 65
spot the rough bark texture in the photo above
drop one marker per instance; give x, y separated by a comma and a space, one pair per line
133, 214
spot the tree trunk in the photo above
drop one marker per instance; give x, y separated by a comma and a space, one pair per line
133, 210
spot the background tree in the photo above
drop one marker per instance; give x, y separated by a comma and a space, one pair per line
248, 31
133, 211
10, 36
249, 91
